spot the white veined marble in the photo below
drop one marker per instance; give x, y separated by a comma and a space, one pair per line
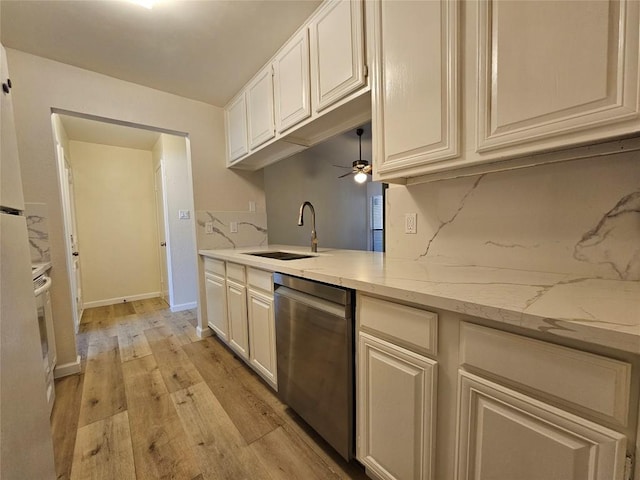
37, 215
252, 229
600, 311
580, 217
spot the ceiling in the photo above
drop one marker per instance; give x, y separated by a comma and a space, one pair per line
204, 50
92, 131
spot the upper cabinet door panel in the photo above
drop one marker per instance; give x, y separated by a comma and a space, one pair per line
337, 52
236, 118
291, 82
416, 93
260, 108
553, 68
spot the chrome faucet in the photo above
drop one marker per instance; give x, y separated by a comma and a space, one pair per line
314, 238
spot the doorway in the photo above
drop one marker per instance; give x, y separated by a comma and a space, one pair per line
122, 231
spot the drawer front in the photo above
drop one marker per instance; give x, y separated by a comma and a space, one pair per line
591, 383
260, 279
410, 327
235, 272
213, 265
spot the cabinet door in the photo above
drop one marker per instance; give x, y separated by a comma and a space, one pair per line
291, 82
236, 120
504, 435
396, 410
237, 311
337, 51
260, 108
10, 180
262, 336
217, 305
417, 118
555, 73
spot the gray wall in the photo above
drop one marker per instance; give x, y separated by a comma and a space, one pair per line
340, 204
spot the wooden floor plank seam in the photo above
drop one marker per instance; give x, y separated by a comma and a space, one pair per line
153, 400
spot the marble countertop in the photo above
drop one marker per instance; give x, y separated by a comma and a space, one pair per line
602, 312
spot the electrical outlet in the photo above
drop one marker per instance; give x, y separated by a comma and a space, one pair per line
208, 228
184, 214
252, 206
410, 223
233, 227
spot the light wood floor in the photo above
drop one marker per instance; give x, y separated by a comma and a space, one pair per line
155, 401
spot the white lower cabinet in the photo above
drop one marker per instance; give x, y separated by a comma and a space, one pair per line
396, 410
237, 311
506, 435
216, 289
240, 310
262, 335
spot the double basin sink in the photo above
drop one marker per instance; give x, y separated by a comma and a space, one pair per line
278, 255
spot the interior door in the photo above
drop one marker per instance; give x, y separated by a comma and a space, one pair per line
160, 217
70, 228
73, 239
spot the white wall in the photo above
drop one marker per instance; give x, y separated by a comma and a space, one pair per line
116, 218
578, 217
171, 151
340, 203
40, 85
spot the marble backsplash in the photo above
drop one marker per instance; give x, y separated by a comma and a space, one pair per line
252, 229
37, 215
580, 217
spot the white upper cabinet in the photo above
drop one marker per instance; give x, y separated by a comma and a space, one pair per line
555, 73
236, 124
465, 85
416, 112
337, 51
291, 82
260, 108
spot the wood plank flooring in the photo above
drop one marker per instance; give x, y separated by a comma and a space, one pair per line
154, 401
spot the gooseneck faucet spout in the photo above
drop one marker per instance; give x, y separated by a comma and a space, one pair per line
314, 238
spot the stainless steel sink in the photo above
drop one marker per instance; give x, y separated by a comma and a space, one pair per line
280, 255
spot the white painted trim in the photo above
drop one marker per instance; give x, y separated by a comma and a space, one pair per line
113, 301
203, 332
184, 306
67, 369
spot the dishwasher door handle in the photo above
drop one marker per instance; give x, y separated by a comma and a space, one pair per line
311, 301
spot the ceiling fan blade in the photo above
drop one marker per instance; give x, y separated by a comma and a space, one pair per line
339, 166
346, 175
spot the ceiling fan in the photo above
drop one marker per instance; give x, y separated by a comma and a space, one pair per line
360, 168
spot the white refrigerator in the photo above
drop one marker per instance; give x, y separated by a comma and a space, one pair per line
26, 450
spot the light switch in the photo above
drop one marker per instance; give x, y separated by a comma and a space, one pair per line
184, 215
233, 227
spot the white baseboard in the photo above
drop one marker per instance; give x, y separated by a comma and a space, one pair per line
184, 306
113, 301
203, 332
67, 369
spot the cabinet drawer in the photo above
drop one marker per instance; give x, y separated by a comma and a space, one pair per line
591, 383
260, 279
235, 272
408, 326
212, 265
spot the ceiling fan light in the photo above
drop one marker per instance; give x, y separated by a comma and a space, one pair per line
360, 177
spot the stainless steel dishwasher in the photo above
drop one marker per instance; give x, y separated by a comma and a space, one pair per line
314, 341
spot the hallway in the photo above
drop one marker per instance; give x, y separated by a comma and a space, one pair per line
155, 401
